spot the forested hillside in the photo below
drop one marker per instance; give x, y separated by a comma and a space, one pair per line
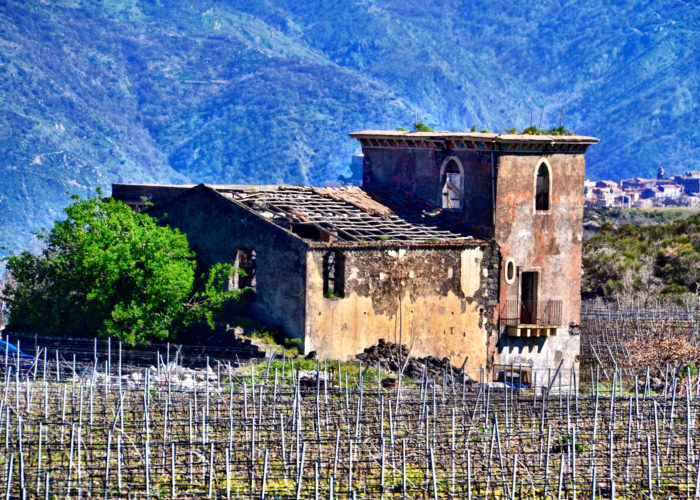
95, 92
644, 263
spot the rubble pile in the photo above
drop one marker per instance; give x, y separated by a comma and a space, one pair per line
390, 356
179, 377
309, 378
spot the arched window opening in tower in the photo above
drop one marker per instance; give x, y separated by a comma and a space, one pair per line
542, 188
452, 186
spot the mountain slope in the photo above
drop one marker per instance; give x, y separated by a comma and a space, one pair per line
98, 92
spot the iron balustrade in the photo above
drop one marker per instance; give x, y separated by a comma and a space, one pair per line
541, 313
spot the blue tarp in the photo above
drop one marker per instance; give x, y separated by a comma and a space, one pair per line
517, 385
12, 350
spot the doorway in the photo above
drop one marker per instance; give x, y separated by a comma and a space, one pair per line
528, 297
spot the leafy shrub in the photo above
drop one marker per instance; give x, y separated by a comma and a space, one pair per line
217, 296
688, 370
110, 271
532, 130
561, 130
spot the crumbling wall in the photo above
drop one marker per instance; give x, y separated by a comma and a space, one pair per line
548, 242
440, 300
216, 228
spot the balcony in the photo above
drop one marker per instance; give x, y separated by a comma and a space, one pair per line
531, 318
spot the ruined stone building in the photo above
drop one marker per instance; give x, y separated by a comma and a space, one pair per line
459, 245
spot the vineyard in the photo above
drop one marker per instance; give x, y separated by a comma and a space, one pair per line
97, 426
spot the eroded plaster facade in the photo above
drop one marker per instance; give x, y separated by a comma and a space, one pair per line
547, 242
438, 301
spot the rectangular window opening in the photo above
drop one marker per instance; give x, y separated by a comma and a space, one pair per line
245, 266
334, 275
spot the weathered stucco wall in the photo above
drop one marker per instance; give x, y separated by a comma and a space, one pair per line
545, 241
417, 171
439, 299
217, 227
396, 168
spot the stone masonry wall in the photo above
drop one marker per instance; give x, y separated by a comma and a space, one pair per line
439, 300
217, 227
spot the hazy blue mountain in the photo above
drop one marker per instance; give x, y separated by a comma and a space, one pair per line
95, 92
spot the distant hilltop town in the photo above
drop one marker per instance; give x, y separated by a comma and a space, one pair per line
679, 191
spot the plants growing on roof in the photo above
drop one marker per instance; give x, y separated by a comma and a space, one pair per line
422, 127
532, 130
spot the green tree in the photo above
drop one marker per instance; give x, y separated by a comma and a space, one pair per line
107, 270
216, 295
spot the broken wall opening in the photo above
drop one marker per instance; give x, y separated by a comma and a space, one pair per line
306, 231
316, 232
244, 270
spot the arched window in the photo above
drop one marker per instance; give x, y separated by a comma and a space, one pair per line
452, 184
542, 187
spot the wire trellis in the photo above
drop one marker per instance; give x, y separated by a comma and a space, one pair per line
237, 434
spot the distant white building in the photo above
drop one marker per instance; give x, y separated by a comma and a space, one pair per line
670, 191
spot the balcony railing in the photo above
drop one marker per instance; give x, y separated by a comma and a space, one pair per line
540, 313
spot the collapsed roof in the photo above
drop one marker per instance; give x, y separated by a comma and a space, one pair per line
322, 216
349, 215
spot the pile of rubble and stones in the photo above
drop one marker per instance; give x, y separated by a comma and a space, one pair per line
173, 374
392, 356
179, 377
